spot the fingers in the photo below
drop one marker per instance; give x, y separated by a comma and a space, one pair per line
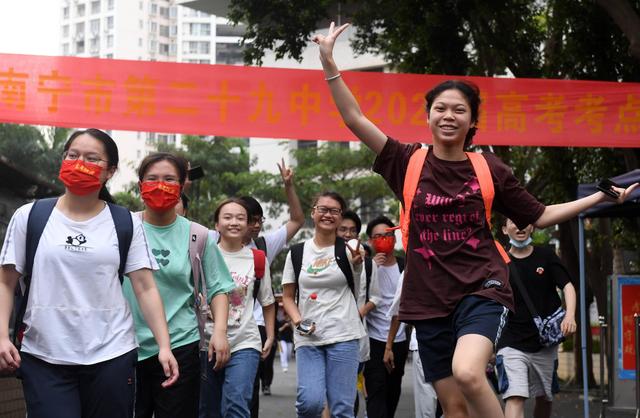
354, 252
341, 29
171, 371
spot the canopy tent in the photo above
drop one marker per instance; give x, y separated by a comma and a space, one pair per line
630, 208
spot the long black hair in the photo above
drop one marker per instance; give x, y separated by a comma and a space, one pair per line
110, 148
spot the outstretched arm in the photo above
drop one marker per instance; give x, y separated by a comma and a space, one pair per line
561, 212
346, 103
296, 215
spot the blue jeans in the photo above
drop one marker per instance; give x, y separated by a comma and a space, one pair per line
327, 372
227, 392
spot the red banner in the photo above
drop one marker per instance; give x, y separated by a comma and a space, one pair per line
296, 104
630, 305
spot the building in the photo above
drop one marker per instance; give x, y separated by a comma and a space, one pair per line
150, 30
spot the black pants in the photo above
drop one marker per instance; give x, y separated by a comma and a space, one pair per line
383, 389
181, 399
101, 390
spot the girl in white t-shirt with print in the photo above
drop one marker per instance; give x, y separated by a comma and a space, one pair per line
327, 354
229, 390
78, 352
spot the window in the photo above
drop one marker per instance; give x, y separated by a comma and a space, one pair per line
173, 12
141, 24
229, 53
141, 5
80, 10
65, 12
174, 30
80, 29
199, 29
195, 47
153, 46
140, 42
65, 31
164, 49
164, 31
109, 56
229, 30
95, 26
110, 4
154, 9
164, 12
94, 44
154, 28
65, 49
110, 41
95, 7
80, 47
109, 22
173, 49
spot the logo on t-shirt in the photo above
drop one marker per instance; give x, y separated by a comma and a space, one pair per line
320, 264
76, 243
540, 271
162, 256
489, 283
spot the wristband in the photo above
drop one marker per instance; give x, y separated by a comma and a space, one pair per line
333, 77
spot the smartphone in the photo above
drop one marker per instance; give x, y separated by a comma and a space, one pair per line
305, 327
606, 187
195, 173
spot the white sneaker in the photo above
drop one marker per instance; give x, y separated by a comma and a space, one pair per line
285, 370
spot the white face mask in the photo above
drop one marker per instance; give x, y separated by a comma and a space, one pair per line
520, 244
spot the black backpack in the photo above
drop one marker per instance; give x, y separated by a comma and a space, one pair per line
38, 218
340, 253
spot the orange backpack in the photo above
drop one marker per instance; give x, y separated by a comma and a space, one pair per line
411, 178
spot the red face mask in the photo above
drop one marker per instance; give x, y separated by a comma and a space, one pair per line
160, 196
383, 244
80, 177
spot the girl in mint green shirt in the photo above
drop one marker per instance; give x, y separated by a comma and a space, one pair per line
162, 176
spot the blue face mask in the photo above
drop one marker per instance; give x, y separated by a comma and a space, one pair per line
520, 244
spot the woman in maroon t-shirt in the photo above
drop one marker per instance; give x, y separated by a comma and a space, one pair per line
456, 290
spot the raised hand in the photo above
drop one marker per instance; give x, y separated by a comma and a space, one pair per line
623, 194
326, 42
356, 255
286, 173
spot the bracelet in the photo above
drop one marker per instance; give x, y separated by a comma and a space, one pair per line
333, 77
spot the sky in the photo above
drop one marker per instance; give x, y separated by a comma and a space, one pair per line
30, 26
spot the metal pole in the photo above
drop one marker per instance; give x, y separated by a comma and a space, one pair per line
603, 342
583, 317
636, 321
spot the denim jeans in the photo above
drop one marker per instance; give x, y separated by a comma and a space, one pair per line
327, 372
227, 392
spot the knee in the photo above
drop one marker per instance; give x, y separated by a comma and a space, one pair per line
309, 405
470, 380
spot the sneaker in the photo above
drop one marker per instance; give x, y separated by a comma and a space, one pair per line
285, 370
266, 390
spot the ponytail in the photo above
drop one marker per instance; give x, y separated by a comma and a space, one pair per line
105, 195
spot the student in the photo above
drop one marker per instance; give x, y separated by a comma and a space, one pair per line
285, 337
162, 176
383, 385
323, 272
229, 390
456, 292
528, 368
78, 352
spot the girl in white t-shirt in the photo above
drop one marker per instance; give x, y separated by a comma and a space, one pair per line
327, 352
229, 390
78, 352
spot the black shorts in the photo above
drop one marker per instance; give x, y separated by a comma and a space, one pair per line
437, 337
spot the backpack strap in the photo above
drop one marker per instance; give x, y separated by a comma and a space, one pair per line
340, 253
297, 250
198, 236
368, 269
124, 231
411, 179
401, 262
485, 180
38, 218
261, 244
259, 264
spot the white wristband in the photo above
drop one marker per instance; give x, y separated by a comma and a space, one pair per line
333, 77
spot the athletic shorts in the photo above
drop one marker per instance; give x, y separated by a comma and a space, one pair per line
437, 337
528, 375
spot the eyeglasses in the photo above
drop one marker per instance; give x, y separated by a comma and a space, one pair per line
323, 210
386, 234
345, 230
258, 220
93, 159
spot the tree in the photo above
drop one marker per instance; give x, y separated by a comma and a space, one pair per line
528, 38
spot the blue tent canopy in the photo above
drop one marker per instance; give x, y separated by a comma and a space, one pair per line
610, 209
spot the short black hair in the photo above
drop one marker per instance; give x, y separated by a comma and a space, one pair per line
185, 201
253, 206
332, 195
349, 214
377, 221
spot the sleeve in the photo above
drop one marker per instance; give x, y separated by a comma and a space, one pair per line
265, 294
139, 256
275, 240
216, 272
14, 248
558, 271
362, 288
392, 163
374, 288
394, 309
288, 275
511, 199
